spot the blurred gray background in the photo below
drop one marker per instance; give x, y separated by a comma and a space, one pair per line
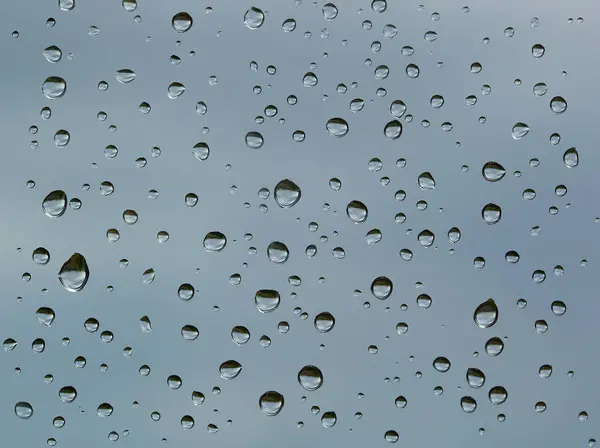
338, 51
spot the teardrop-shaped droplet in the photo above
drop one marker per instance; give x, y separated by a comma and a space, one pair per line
287, 193
52, 53
493, 171
74, 273
145, 324
426, 181
271, 403
45, 316
55, 204
520, 130
230, 369
475, 378
486, 314
175, 90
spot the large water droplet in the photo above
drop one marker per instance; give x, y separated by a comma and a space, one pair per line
475, 378
393, 130
214, 241
441, 364
104, 410
357, 212
382, 288
74, 273
23, 410
338, 127
55, 204
497, 395
175, 90
520, 130
67, 394
324, 322
54, 87
230, 369
391, 436
571, 158
310, 378
287, 193
254, 140
267, 300
45, 316
494, 346
558, 105
271, 403
52, 53
240, 335
254, 18
491, 213
278, 252
468, 404
493, 171
426, 181
486, 314
182, 22
125, 76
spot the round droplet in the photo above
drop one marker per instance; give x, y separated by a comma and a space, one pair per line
254, 140
475, 378
393, 130
54, 87
468, 404
400, 402
271, 403
189, 332
424, 301
74, 273
277, 252
45, 316
67, 394
357, 212
441, 364
23, 410
214, 241
493, 171
174, 382
288, 25
41, 256
497, 395
104, 410
412, 71
494, 346
287, 193
254, 18
330, 11
187, 422
558, 105
230, 369
486, 314
329, 419
182, 22
391, 436
240, 335
538, 51
545, 371
382, 288
310, 378
426, 238
540, 407
267, 300
491, 213
185, 292
324, 322
540, 89
52, 53
338, 127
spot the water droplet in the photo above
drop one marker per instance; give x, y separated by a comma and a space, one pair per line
441, 364
558, 105
174, 382
254, 140
424, 301
412, 71
397, 108
182, 22
254, 18
357, 212
55, 204
74, 273
538, 50
540, 407
185, 292
271, 403
329, 419
426, 238
379, 6
391, 436
324, 322
175, 90
189, 332
52, 53
67, 394
486, 314
267, 300
330, 11
393, 130
491, 213
288, 25
400, 402
104, 410
426, 181
497, 395
240, 335
148, 276
382, 288
23, 410
54, 87
571, 158
62, 138
187, 422
230, 370
475, 378
468, 404
277, 252
338, 127
494, 346
125, 76
310, 378
214, 241
493, 171
545, 371
520, 130
287, 193
45, 316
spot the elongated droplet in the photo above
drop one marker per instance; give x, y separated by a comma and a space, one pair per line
74, 273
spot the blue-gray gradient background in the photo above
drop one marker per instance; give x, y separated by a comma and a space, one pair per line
233, 174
